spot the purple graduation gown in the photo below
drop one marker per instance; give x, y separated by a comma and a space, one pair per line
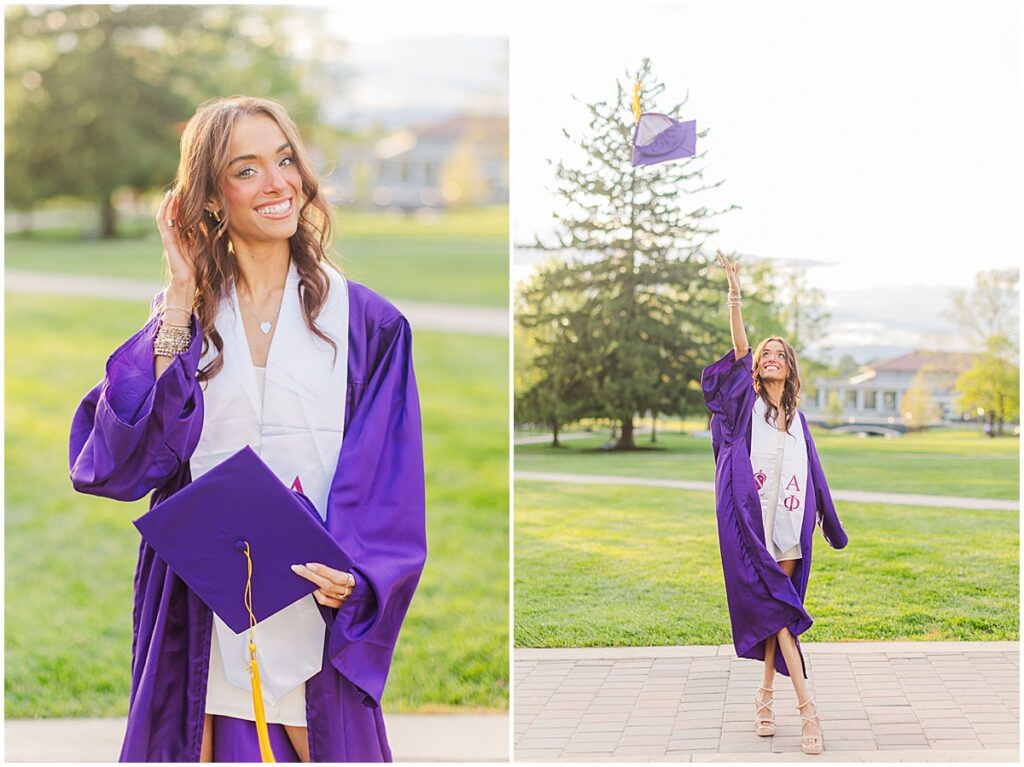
131, 435
762, 599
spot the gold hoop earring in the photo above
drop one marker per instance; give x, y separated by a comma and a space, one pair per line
215, 215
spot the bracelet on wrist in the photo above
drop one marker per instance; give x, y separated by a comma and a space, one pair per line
171, 339
165, 324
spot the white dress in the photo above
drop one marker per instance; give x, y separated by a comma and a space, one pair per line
779, 461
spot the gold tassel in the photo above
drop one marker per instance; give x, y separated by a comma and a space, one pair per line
257, 703
636, 100
262, 733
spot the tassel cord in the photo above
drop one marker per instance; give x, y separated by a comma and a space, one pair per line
262, 733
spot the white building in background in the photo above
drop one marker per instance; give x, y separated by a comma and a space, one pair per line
457, 162
873, 397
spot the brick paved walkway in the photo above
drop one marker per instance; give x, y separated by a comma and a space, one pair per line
878, 701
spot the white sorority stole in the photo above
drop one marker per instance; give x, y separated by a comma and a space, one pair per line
779, 461
297, 430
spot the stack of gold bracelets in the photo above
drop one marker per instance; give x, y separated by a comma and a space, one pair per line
171, 338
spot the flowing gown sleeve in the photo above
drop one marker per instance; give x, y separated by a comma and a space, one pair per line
828, 519
725, 384
376, 512
132, 432
728, 393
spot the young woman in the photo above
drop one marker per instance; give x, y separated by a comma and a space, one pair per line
769, 490
258, 340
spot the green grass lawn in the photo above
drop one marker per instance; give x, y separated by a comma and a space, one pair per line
948, 462
459, 257
70, 558
611, 566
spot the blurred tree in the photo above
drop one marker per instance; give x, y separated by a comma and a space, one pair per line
462, 178
992, 384
919, 406
779, 301
640, 307
991, 308
834, 409
97, 95
799, 307
847, 366
811, 371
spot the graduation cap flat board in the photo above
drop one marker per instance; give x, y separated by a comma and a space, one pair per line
660, 138
201, 532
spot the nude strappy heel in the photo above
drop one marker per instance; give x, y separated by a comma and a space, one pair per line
810, 744
765, 725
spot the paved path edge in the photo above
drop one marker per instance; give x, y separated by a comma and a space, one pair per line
445, 318
701, 486
727, 650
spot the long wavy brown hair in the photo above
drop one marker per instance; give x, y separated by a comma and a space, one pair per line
204, 160
790, 388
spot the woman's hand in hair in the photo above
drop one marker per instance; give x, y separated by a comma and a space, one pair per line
181, 292
180, 260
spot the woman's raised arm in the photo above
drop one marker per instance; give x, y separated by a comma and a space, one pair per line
739, 335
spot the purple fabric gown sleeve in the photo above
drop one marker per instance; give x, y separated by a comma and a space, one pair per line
828, 519
376, 511
132, 432
725, 384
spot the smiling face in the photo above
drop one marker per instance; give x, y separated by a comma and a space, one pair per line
773, 363
262, 185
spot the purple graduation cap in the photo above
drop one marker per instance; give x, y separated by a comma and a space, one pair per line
660, 138
201, 532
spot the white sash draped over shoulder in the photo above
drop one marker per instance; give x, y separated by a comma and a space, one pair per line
779, 461
294, 420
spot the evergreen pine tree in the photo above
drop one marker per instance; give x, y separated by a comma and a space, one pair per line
631, 306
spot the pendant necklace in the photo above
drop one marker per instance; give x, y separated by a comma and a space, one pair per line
264, 325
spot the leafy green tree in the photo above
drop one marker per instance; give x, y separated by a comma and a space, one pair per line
919, 406
846, 366
992, 385
991, 308
797, 306
97, 95
779, 301
552, 386
834, 412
